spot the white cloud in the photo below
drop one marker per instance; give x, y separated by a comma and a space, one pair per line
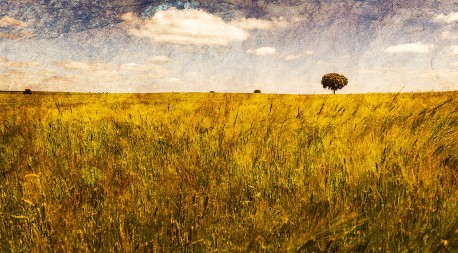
292, 57
260, 24
97, 68
160, 59
86, 66
18, 79
173, 80
106, 76
447, 35
188, 27
418, 48
450, 18
7, 21
130, 18
454, 50
192, 73
454, 64
262, 51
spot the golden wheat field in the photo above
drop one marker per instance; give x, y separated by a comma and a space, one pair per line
228, 172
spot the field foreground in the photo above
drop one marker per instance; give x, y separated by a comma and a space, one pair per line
228, 173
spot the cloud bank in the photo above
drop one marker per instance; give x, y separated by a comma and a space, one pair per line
450, 18
454, 50
416, 48
260, 24
196, 27
262, 51
190, 27
292, 57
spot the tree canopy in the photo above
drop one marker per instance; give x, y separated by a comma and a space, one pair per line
334, 81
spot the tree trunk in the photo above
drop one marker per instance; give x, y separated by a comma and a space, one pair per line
334, 91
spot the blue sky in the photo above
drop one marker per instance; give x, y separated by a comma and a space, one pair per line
188, 47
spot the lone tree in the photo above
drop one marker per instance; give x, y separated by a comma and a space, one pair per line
27, 91
257, 91
334, 81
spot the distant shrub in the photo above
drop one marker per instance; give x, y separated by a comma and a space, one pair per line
334, 81
212, 92
27, 91
257, 91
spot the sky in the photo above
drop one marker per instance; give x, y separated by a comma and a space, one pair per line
228, 46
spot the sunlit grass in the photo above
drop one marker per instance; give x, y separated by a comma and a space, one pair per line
228, 172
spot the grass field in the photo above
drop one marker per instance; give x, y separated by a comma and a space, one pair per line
228, 173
